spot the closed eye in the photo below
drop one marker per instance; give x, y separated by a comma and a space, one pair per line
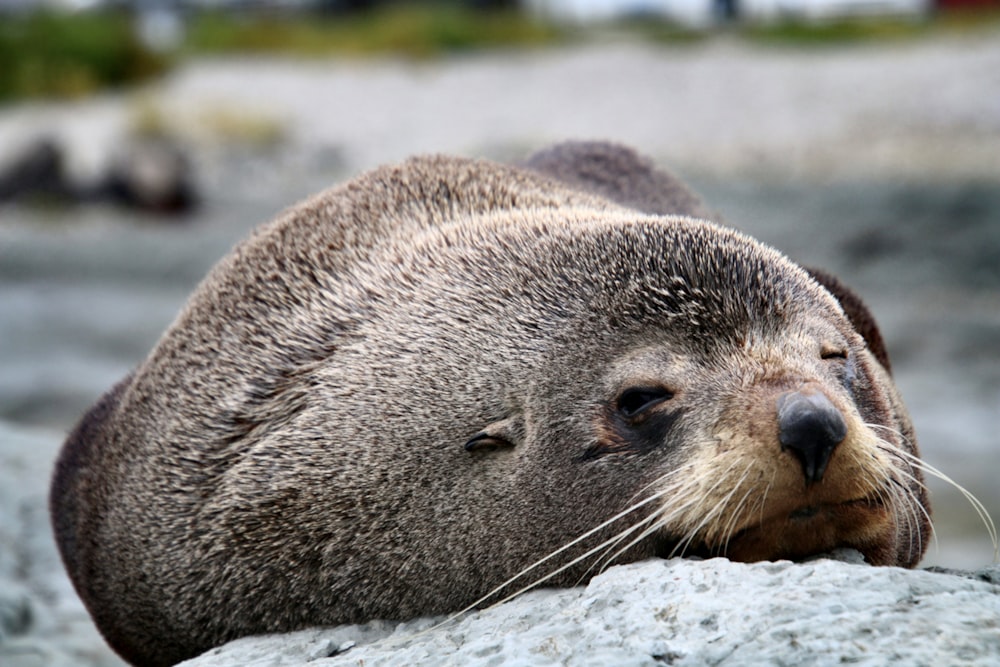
636, 400
833, 353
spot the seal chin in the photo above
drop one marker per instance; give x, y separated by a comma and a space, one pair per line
865, 524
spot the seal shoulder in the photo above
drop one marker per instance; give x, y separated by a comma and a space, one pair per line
620, 174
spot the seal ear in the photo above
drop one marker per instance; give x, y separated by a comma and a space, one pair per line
620, 174
857, 312
502, 434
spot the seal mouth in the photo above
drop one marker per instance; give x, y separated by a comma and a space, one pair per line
808, 512
798, 533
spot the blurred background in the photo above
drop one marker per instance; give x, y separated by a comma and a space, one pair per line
139, 140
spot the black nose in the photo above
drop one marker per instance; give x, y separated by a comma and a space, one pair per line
811, 427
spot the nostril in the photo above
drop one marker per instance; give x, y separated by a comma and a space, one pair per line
811, 427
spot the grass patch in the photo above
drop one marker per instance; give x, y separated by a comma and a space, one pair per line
419, 31
71, 55
659, 31
853, 31
865, 30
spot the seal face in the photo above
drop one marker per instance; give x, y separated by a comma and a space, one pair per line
447, 376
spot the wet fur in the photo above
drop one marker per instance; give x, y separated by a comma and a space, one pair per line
381, 405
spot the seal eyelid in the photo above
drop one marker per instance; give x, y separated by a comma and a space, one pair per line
486, 442
502, 434
636, 400
832, 352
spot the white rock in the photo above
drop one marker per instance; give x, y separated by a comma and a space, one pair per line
683, 612
16, 612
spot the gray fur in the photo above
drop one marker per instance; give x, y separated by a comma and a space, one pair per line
291, 453
620, 175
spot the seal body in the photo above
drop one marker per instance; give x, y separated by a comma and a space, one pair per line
412, 388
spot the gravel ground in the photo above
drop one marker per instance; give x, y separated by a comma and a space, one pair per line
880, 162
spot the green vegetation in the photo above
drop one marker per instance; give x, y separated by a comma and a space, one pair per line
404, 29
67, 55
70, 55
874, 29
658, 32
838, 32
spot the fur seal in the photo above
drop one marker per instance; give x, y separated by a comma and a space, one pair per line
447, 378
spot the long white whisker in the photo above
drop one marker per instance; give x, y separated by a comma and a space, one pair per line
730, 528
902, 496
767, 490
922, 465
711, 515
581, 557
625, 512
613, 542
981, 510
663, 479
650, 530
707, 517
677, 490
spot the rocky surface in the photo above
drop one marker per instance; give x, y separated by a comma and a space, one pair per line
42, 621
683, 612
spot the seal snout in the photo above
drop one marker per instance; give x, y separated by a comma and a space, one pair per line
811, 427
